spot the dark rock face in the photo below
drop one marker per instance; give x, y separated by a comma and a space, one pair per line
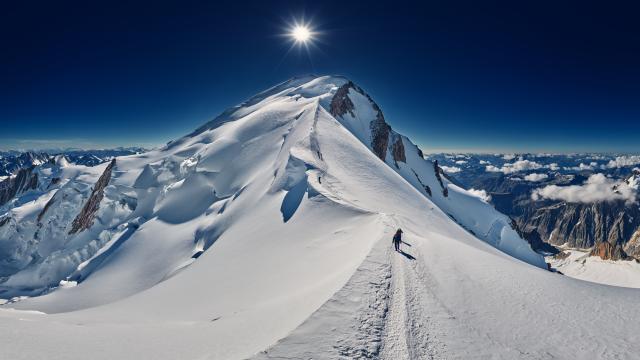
427, 189
84, 220
340, 103
380, 130
26, 179
585, 225
397, 150
380, 137
54, 181
534, 239
46, 207
4, 221
632, 247
607, 251
438, 171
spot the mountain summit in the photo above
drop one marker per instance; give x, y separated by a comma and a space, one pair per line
269, 229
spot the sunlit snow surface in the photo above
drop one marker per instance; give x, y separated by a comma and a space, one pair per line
592, 268
267, 232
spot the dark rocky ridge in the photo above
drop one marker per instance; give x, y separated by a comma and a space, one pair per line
397, 150
380, 130
607, 251
84, 220
26, 179
438, 171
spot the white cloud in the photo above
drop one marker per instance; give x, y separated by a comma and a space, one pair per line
583, 167
597, 188
622, 161
451, 169
536, 177
508, 156
553, 167
484, 162
460, 162
481, 194
510, 168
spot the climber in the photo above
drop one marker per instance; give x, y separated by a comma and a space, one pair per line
397, 239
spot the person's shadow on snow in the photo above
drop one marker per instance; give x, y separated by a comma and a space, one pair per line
407, 255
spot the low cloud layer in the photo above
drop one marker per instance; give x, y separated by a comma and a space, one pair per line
510, 168
450, 169
622, 161
597, 188
536, 177
481, 194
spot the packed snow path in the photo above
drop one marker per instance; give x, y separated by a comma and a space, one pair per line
411, 305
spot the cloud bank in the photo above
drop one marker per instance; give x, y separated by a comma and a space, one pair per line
536, 177
596, 188
451, 169
481, 194
510, 168
622, 161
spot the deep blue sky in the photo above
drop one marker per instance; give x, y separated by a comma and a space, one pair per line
465, 76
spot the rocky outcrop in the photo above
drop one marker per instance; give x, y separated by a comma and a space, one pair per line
397, 150
84, 220
380, 136
585, 225
46, 207
53, 182
340, 103
608, 251
4, 221
534, 240
26, 179
438, 171
426, 188
632, 247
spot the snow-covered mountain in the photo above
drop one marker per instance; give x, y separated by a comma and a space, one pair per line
266, 232
12, 161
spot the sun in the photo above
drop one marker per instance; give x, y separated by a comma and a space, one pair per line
301, 33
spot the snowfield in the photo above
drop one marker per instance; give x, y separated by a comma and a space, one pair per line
580, 265
266, 234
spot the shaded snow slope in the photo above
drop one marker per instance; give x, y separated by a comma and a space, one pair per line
268, 228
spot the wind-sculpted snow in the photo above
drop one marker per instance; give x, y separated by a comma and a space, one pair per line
267, 229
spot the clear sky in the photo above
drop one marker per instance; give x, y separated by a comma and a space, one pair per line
452, 75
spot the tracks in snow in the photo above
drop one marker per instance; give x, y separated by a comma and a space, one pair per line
411, 330
385, 311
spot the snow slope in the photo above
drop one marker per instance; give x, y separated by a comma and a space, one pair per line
266, 233
580, 265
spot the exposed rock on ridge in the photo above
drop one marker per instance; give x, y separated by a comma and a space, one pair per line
84, 220
25, 179
607, 251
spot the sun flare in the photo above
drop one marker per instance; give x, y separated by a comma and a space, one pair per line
301, 33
